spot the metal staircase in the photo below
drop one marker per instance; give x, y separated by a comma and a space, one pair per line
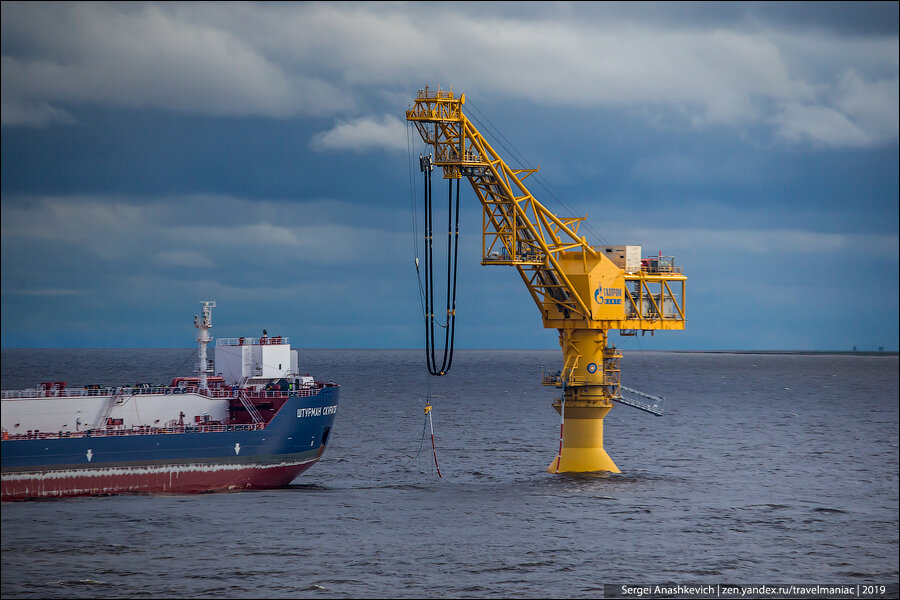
116, 399
248, 404
629, 396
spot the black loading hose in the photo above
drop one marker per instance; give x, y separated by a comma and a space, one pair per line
452, 261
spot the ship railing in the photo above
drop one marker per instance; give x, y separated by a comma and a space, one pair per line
144, 430
40, 393
303, 392
271, 340
226, 392
112, 391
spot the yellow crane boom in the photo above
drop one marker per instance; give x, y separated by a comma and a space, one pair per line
583, 291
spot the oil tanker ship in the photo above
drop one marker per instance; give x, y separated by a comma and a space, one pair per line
247, 419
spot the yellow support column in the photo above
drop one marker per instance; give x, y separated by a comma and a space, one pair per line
582, 444
586, 402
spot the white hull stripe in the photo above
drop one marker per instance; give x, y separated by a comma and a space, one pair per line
149, 470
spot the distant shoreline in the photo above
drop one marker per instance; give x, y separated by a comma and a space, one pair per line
796, 352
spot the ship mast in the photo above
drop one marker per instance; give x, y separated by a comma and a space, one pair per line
204, 325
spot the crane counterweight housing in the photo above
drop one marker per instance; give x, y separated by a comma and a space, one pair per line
583, 291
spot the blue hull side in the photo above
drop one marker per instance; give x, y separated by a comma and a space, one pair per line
173, 462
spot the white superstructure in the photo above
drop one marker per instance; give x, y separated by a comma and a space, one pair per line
239, 360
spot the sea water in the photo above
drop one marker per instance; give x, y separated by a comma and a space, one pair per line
766, 468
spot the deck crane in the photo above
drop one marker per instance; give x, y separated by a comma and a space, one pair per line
583, 291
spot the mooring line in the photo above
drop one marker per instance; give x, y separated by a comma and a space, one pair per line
433, 450
562, 422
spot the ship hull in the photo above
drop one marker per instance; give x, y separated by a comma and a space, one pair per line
185, 478
196, 460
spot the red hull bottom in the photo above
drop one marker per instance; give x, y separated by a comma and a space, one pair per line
151, 479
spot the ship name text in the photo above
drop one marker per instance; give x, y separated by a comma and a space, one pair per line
318, 411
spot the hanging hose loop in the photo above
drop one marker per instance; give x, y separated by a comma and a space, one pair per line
426, 164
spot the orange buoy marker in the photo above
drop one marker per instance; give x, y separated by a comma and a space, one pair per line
431, 424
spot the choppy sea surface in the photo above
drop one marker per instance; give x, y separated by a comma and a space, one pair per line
766, 468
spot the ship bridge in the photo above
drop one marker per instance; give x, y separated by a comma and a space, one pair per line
269, 357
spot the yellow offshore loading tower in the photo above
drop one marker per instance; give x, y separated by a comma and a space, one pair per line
581, 290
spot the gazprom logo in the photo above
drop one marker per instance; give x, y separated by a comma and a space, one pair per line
608, 295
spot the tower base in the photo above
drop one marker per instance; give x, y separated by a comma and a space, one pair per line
582, 440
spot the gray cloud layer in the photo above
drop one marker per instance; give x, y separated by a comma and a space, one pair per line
810, 74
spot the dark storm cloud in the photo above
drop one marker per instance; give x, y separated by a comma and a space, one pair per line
850, 18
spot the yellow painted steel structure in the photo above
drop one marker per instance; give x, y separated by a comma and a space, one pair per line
579, 290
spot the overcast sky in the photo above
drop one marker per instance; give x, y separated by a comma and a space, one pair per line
156, 155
